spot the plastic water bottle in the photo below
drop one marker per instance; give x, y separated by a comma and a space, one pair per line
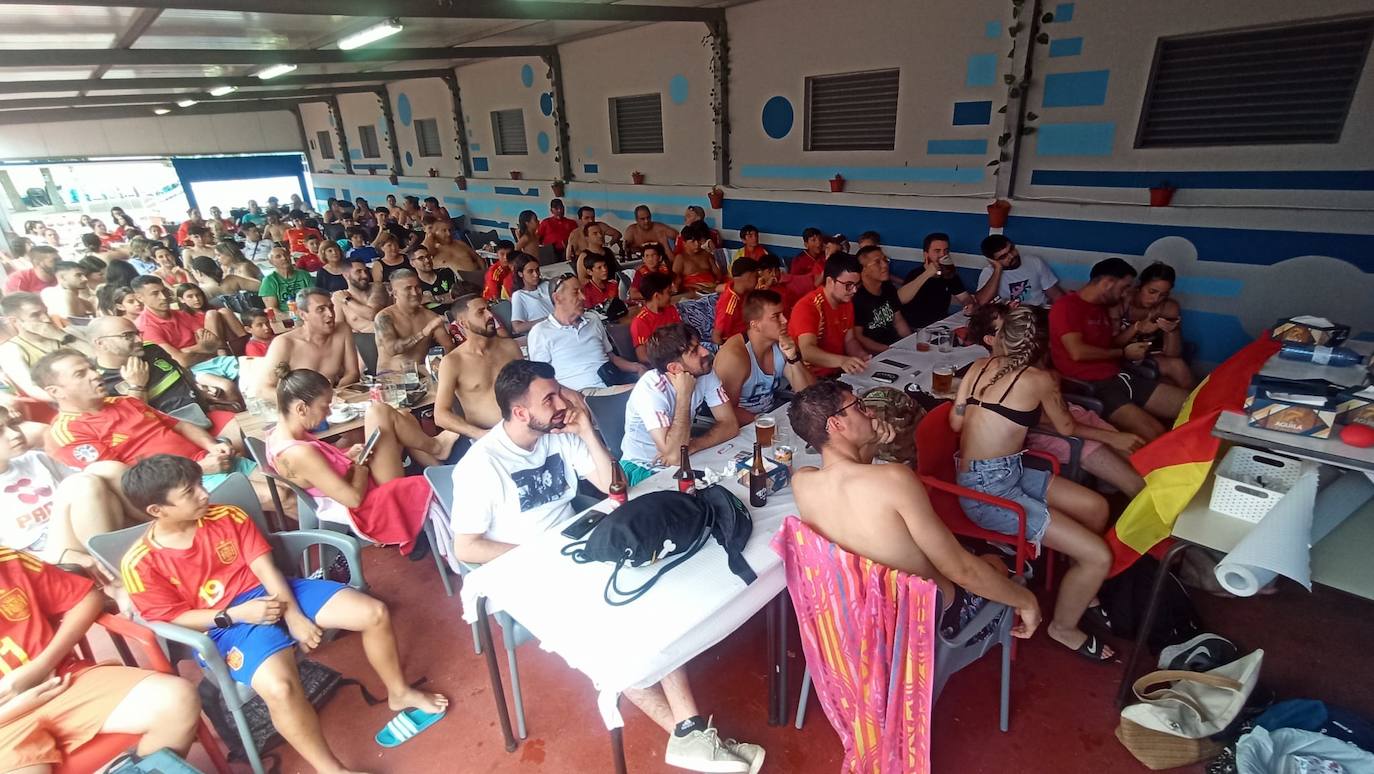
1326, 356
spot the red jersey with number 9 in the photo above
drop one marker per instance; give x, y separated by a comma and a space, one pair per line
33, 596
166, 582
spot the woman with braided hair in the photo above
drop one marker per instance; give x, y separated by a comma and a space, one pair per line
999, 400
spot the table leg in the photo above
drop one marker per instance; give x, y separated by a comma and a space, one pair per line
784, 617
1147, 622
498, 689
618, 746
771, 621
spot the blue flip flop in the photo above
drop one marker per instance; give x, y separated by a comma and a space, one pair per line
407, 723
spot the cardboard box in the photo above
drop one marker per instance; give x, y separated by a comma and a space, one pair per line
1351, 408
1304, 333
779, 476
1266, 411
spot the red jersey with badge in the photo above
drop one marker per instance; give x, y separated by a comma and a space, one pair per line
814, 314
165, 582
646, 322
729, 313
499, 282
125, 429
33, 598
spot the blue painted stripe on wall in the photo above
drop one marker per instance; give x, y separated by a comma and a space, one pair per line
1280, 180
883, 174
591, 169
1083, 89
1215, 287
456, 201
982, 70
956, 147
324, 194
972, 113
1066, 47
510, 190
1076, 139
491, 223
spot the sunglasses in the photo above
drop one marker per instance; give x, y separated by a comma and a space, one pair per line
852, 404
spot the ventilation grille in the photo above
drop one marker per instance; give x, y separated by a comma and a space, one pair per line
853, 111
427, 137
1273, 86
326, 144
637, 124
508, 127
367, 137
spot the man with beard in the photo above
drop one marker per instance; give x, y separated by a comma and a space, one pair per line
362, 300
35, 336
645, 230
822, 321
658, 415
318, 343
753, 365
67, 299
1015, 278
464, 401
43, 274
577, 240
406, 329
448, 252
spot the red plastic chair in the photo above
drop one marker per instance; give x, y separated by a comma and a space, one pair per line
936, 446
95, 754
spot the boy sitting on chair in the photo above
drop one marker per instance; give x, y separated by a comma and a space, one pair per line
207, 567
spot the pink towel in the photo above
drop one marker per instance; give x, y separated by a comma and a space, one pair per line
868, 633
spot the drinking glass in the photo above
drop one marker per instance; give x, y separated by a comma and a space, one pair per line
763, 430
410, 374
923, 340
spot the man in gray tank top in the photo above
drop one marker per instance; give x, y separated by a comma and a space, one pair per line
753, 365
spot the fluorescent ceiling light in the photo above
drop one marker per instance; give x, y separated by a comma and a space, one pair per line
220, 91
268, 73
371, 35
161, 111
187, 102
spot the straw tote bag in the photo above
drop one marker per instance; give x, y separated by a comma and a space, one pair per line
1171, 725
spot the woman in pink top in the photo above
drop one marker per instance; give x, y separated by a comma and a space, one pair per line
373, 495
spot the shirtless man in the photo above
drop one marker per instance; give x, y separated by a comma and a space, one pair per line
465, 401
197, 243
644, 229
359, 304
66, 299
406, 329
449, 252
317, 343
696, 266
577, 242
882, 512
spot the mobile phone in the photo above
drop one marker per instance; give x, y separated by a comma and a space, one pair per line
368, 446
885, 376
583, 525
357, 388
893, 363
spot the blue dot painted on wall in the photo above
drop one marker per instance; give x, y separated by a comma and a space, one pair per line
677, 89
546, 103
410, 160
403, 109
777, 117
527, 76
543, 142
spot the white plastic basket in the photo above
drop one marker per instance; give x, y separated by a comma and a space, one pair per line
1250, 482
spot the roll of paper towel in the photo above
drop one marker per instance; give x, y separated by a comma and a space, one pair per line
1281, 544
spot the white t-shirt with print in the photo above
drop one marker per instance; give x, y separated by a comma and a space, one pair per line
1026, 283
511, 495
651, 406
26, 495
527, 305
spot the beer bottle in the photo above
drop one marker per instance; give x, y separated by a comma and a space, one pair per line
619, 491
758, 480
686, 479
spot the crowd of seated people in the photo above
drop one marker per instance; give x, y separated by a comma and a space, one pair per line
128, 368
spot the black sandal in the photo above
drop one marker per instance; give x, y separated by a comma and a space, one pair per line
1096, 619
1092, 649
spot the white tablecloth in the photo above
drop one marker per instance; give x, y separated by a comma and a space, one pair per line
698, 604
912, 366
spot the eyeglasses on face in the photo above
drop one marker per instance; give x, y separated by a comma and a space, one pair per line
856, 403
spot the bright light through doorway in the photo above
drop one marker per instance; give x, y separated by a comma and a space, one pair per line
229, 194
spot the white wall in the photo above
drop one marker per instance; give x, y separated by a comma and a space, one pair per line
317, 117
419, 99
668, 59
365, 110
153, 136
501, 85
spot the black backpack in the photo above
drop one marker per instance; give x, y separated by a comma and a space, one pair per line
659, 525
1126, 596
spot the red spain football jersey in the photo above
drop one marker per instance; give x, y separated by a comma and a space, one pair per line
166, 582
33, 597
729, 314
125, 429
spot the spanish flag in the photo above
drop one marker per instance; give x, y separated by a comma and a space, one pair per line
1176, 464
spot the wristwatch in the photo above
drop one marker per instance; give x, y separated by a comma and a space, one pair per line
793, 360
222, 619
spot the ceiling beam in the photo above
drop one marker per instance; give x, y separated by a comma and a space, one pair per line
11, 117
137, 26
186, 56
206, 83
168, 99
538, 10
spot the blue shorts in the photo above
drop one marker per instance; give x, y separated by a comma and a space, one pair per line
220, 365
241, 465
1007, 478
245, 646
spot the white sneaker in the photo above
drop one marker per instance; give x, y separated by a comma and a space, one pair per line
749, 753
703, 751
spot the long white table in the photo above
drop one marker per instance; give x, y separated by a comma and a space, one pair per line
695, 606
913, 366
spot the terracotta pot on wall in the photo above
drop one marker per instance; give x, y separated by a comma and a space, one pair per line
557, 189
1161, 195
837, 183
637, 178
717, 198
393, 178
462, 183
997, 213
516, 174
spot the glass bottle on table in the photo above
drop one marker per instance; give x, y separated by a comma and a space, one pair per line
758, 479
686, 479
620, 490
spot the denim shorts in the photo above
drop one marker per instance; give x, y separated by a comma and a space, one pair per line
1007, 478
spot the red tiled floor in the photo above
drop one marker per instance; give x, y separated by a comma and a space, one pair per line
1062, 707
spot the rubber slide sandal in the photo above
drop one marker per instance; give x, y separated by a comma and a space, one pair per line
405, 725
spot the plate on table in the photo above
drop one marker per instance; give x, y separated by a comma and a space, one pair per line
338, 415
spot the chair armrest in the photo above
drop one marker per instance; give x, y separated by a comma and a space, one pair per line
1047, 457
145, 637
990, 613
1075, 448
1071, 386
199, 642
1084, 401
1022, 553
295, 542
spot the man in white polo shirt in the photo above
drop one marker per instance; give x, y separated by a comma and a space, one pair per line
518, 481
576, 345
658, 415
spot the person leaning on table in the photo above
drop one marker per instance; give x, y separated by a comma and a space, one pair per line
518, 481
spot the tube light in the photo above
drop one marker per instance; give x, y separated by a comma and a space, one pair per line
161, 111
267, 73
220, 91
371, 35
187, 103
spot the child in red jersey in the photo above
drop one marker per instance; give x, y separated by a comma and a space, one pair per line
208, 568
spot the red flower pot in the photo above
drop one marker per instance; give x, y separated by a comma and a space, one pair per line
836, 183
557, 189
462, 183
516, 175
717, 198
637, 178
997, 213
1161, 196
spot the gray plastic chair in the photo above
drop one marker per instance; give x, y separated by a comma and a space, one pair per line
109, 550
622, 341
501, 311
955, 653
440, 478
609, 413
366, 344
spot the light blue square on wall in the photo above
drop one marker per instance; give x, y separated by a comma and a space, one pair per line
982, 70
992, 29
1063, 12
479, 164
591, 169
972, 113
1066, 47
1076, 139
1082, 89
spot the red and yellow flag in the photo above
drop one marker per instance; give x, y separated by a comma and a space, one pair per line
1176, 464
